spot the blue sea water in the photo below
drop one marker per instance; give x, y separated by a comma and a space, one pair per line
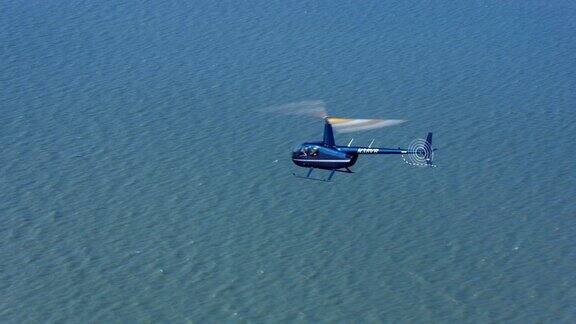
140, 181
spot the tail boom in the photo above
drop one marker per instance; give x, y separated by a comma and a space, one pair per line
422, 149
372, 150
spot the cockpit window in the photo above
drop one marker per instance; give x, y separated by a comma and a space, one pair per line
297, 149
306, 151
313, 150
300, 151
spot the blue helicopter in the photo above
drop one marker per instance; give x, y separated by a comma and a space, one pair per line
326, 155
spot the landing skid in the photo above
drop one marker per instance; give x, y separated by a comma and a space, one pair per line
329, 179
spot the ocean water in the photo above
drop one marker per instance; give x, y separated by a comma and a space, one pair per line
141, 183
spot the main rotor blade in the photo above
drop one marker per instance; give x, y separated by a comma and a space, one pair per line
315, 108
347, 125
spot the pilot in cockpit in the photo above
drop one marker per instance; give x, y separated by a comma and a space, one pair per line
313, 151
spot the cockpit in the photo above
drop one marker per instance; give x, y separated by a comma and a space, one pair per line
306, 151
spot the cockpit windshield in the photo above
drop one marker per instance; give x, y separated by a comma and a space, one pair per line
297, 149
306, 150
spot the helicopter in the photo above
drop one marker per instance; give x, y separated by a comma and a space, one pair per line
326, 155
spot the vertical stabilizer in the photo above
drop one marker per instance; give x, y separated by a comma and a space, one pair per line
328, 134
428, 149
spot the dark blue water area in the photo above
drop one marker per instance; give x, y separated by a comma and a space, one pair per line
142, 182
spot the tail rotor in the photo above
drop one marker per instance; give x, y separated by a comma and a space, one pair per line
420, 152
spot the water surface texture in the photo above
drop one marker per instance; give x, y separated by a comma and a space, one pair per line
141, 183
